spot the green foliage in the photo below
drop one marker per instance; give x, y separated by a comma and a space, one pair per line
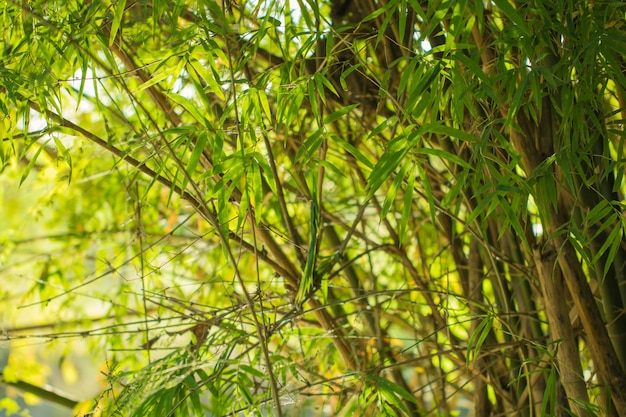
347, 207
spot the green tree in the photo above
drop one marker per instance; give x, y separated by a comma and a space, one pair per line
359, 207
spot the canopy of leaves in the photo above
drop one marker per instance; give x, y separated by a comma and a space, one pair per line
357, 207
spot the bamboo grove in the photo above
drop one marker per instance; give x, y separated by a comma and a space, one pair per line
357, 207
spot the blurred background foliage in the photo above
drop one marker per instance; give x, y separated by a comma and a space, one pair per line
357, 207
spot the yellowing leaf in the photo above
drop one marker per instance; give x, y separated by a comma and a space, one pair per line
9, 405
9, 374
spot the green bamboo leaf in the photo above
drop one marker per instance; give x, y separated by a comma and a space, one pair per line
389, 161
349, 407
486, 84
345, 74
252, 371
339, 114
445, 155
154, 79
613, 239
265, 104
189, 106
256, 183
182, 142
313, 97
547, 75
550, 393
456, 189
32, 162
436, 15
307, 280
599, 212
117, 20
458, 15
324, 288
402, 21
65, 155
310, 146
332, 168
512, 218
320, 82
195, 66
428, 192
260, 160
242, 385
409, 72
393, 190
577, 239
505, 188
477, 338
318, 79
374, 14
83, 80
407, 207
480, 207
516, 101
194, 395
509, 11
393, 394
389, 15
422, 84
385, 124
396, 389
196, 153
352, 150
383, 169
306, 12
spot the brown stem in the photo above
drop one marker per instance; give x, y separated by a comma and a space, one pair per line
568, 357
